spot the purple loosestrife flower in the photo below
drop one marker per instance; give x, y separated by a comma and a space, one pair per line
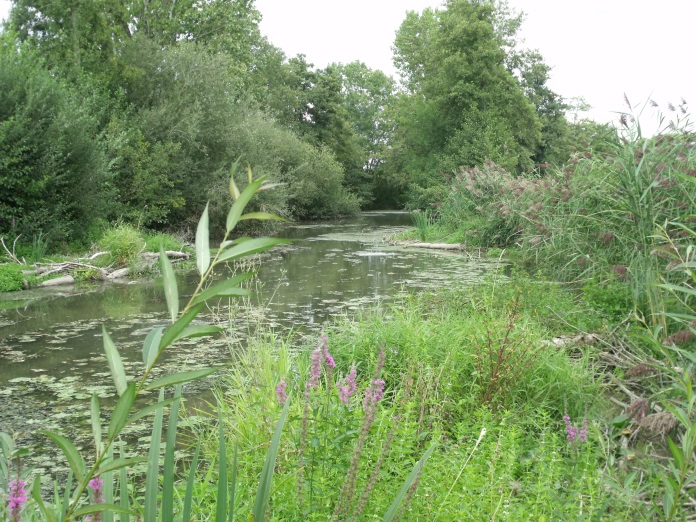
314, 370
281, 394
582, 436
574, 433
17, 498
97, 495
373, 395
346, 390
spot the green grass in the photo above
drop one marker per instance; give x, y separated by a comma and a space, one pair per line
123, 242
435, 374
11, 277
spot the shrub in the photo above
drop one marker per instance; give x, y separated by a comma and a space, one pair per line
11, 277
123, 242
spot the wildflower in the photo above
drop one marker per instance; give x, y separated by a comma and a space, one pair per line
574, 433
97, 495
346, 390
17, 498
373, 395
281, 394
314, 370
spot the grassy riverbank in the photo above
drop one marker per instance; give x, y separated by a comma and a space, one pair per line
470, 369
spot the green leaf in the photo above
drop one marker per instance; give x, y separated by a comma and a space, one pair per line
120, 415
151, 347
200, 330
36, 495
171, 334
123, 485
99, 508
203, 243
224, 288
252, 246
147, 410
95, 417
115, 363
261, 216
241, 202
188, 496
77, 464
66, 495
152, 476
119, 463
168, 470
176, 378
233, 485
108, 489
394, 508
221, 506
263, 492
234, 191
171, 291
676, 453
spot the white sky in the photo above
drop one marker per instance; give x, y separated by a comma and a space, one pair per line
598, 49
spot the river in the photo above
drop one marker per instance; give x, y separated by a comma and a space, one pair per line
51, 356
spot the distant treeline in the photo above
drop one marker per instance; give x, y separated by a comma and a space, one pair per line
135, 111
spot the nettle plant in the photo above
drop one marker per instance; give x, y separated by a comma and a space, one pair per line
89, 488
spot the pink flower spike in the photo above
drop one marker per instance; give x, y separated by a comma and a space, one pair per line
281, 394
17, 498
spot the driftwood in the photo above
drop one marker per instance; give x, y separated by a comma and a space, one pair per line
436, 246
105, 274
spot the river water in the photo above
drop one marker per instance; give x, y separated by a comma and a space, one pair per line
51, 355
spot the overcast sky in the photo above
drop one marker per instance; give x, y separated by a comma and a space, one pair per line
598, 49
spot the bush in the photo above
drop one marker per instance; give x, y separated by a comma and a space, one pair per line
124, 243
11, 277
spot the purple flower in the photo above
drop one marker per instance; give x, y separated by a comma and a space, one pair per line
97, 495
281, 394
314, 370
346, 390
373, 395
17, 498
574, 433
328, 360
583, 432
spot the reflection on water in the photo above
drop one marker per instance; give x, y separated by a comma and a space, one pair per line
51, 348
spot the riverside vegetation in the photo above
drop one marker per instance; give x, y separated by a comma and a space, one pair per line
515, 399
467, 404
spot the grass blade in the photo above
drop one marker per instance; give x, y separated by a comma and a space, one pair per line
108, 478
95, 417
203, 243
186, 511
115, 363
151, 479
394, 508
168, 471
264, 491
124, 495
233, 485
221, 509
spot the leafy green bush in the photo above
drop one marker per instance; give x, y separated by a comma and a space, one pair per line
153, 240
11, 277
123, 242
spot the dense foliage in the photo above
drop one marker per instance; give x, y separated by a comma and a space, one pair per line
145, 109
